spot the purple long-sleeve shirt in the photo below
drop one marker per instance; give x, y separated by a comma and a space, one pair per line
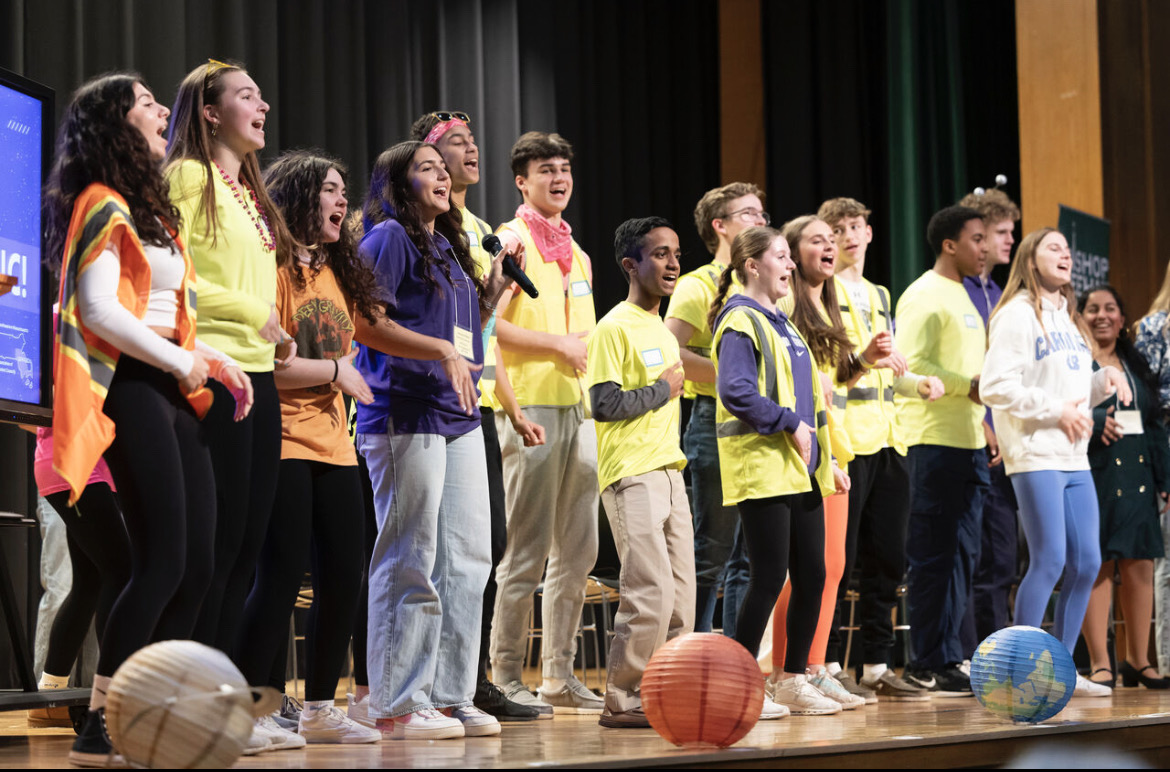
738, 382
984, 294
415, 395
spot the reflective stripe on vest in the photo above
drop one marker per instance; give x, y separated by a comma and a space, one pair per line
765, 360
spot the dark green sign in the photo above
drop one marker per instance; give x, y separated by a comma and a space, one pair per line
1088, 239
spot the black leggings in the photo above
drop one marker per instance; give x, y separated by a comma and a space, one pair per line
317, 523
783, 534
161, 466
99, 553
246, 459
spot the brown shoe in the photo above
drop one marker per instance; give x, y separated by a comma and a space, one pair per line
628, 719
43, 717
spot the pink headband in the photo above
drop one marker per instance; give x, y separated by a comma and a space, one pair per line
441, 129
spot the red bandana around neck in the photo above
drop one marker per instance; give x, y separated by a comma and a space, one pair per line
555, 242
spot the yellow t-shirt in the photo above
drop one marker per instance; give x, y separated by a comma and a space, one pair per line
690, 303
631, 347
236, 282
313, 420
941, 333
477, 230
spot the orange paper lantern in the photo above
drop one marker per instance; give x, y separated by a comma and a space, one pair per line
702, 690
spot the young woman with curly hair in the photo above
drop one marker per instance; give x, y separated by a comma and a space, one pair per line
424, 448
130, 379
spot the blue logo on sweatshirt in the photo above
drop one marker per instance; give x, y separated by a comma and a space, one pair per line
1062, 341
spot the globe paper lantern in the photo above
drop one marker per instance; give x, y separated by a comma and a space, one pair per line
1023, 674
702, 690
180, 704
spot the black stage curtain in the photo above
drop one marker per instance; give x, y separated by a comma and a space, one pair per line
633, 86
904, 105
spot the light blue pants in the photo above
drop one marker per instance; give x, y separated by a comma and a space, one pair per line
1061, 521
430, 564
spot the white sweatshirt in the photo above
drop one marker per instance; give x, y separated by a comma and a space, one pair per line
1029, 373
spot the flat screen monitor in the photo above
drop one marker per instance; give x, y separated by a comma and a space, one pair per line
26, 342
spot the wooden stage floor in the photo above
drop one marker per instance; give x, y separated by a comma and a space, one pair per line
942, 733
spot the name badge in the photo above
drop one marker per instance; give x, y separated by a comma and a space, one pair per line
581, 288
971, 320
464, 343
652, 357
1129, 421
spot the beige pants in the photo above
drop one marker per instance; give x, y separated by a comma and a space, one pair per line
651, 522
551, 495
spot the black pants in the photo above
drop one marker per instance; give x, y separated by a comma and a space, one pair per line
316, 525
495, 468
162, 468
783, 535
361, 625
875, 541
246, 459
99, 553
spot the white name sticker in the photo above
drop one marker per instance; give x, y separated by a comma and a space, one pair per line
652, 357
581, 288
1129, 421
971, 320
463, 343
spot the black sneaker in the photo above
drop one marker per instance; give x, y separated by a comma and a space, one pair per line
492, 701
93, 748
949, 681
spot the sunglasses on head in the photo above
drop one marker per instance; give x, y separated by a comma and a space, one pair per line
446, 115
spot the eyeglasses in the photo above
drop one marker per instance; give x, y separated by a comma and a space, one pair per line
750, 215
446, 115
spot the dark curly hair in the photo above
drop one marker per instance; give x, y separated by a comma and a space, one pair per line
95, 143
189, 137
390, 198
294, 181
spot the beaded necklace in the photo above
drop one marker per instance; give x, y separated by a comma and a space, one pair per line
261, 222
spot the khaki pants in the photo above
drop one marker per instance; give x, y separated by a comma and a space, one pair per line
651, 522
551, 493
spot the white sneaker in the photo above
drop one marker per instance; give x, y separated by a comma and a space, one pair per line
832, 688
330, 725
260, 740
771, 711
475, 722
804, 699
965, 667
358, 709
282, 739
1087, 688
425, 724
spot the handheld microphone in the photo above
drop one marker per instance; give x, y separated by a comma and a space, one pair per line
492, 244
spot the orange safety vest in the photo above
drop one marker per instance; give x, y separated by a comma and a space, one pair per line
83, 363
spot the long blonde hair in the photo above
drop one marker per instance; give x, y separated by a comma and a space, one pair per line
1026, 277
1160, 304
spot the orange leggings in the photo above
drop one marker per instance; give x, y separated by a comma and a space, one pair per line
836, 522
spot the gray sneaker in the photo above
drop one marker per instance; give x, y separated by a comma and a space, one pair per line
855, 688
288, 717
888, 686
573, 698
517, 692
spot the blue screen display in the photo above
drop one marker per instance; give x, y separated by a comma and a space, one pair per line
20, 251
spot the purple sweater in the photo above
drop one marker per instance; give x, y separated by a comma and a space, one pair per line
415, 395
984, 296
738, 382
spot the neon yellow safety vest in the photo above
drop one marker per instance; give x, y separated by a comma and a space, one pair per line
477, 230
869, 404
758, 466
559, 309
709, 275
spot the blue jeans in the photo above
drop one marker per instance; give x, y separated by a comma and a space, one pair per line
947, 487
1060, 516
430, 564
715, 525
